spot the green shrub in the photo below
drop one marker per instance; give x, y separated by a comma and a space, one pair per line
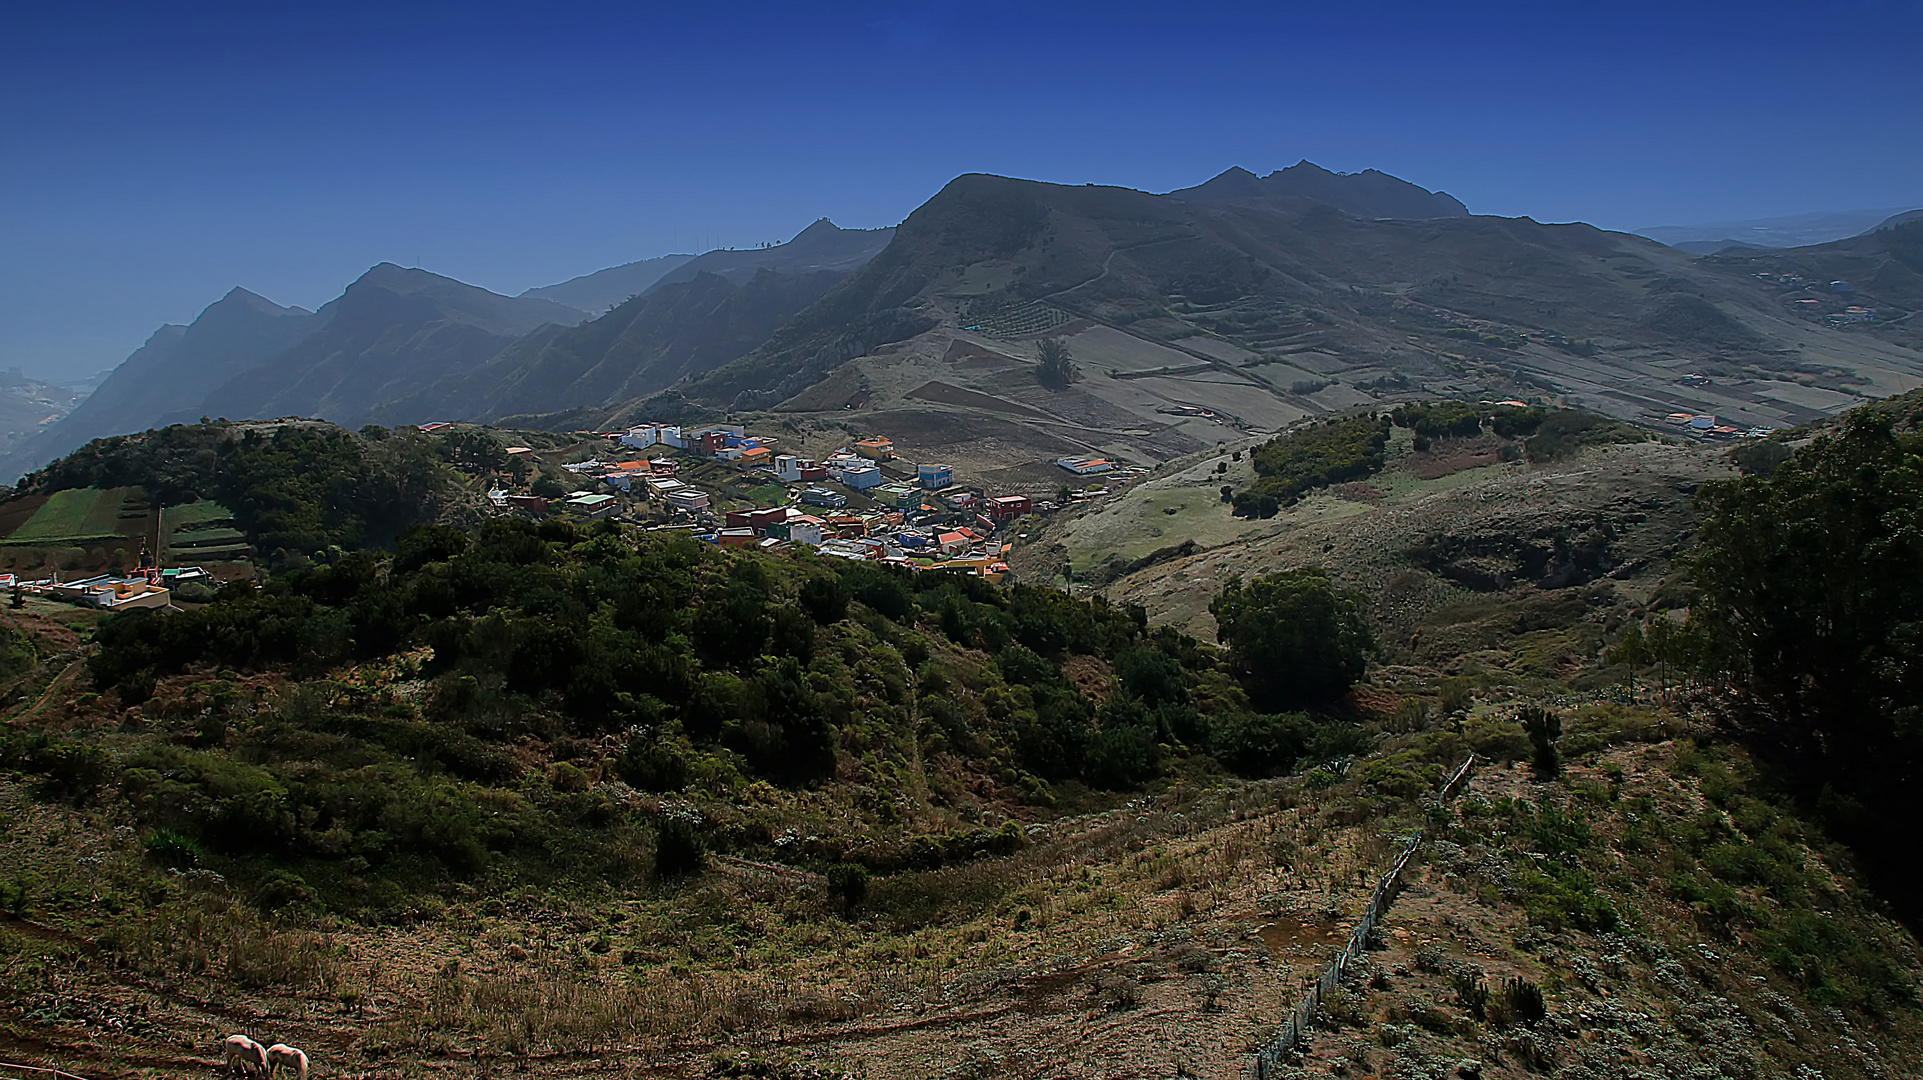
848, 882
679, 850
173, 848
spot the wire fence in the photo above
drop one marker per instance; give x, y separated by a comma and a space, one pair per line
56, 1073
1295, 1029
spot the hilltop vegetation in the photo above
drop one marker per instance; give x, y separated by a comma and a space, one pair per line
295, 489
1291, 465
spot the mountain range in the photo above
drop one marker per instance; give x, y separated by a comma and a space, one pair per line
1245, 300
1367, 194
405, 345
1187, 315
1794, 230
600, 291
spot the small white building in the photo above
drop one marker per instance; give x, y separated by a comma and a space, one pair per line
687, 498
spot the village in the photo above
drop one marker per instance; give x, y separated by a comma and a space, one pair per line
733, 489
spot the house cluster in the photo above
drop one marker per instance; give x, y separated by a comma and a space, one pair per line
148, 588
858, 502
887, 536
1852, 315
1706, 426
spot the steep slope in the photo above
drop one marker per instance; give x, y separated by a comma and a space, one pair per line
637, 349
602, 290
1187, 318
1369, 194
821, 246
172, 374
392, 333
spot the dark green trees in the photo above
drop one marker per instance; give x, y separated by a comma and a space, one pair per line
1295, 639
1812, 600
1056, 370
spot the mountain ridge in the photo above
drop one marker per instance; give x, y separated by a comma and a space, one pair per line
1370, 193
390, 333
599, 292
172, 373
640, 347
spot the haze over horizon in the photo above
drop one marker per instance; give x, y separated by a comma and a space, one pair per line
162, 154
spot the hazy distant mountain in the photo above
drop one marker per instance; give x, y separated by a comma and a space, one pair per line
172, 374
639, 348
821, 246
1367, 194
29, 406
1894, 220
1796, 230
600, 291
391, 334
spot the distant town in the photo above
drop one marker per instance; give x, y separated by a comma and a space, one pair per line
860, 502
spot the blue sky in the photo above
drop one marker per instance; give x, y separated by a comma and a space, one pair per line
154, 155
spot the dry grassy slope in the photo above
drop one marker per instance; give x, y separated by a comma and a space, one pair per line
1639, 496
1165, 938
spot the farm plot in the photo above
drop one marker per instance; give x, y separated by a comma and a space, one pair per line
79, 514
201, 530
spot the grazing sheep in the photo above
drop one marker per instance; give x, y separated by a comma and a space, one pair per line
245, 1055
281, 1054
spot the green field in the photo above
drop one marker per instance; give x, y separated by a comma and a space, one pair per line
201, 530
74, 515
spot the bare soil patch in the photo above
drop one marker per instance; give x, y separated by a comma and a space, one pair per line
1446, 456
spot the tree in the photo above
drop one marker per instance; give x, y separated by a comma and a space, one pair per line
1811, 587
1543, 728
1294, 638
1056, 370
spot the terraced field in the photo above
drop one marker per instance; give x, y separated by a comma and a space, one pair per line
82, 514
201, 530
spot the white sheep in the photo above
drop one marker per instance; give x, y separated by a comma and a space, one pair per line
281, 1054
245, 1055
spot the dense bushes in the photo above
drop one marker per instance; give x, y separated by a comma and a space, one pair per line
1294, 638
294, 490
1289, 466
1811, 582
1549, 434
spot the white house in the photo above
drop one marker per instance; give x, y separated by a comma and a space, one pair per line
687, 498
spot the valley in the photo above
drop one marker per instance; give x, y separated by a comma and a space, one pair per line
637, 677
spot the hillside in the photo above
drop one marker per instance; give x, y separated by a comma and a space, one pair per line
172, 374
603, 290
820, 247
1195, 322
1367, 194
639, 348
1881, 270
293, 488
598, 801
390, 334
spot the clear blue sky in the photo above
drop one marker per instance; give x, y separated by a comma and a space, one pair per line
153, 155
